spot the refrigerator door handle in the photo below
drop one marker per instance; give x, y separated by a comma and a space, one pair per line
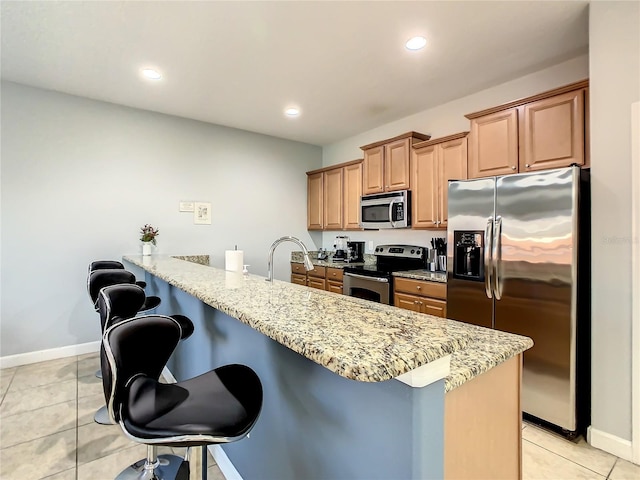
497, 258
488, 248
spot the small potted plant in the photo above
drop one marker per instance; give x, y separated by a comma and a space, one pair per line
148, 236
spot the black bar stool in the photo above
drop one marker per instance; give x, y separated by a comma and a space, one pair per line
219, 406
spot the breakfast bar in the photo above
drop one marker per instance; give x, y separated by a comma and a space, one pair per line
352, 388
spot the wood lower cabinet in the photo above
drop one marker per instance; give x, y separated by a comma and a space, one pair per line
387, 163
434, 163
420, 296
548, 130
333, 197
322, 278
299, 279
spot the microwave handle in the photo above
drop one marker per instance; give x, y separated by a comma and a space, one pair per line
393, 200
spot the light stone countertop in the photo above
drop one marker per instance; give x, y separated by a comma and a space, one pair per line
354, 338
426, 275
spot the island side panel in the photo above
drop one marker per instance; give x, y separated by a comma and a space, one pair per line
483, 425
314, 424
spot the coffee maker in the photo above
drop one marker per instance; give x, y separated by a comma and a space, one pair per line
355, 252
341, 249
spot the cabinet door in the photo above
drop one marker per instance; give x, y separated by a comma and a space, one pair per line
351, 198
372, 170
335, 287
493, 147
318, 283
298, 279
553, 132
452, 165
333, 199
434, 307
425, 187
314, 201
396, 165
408, 302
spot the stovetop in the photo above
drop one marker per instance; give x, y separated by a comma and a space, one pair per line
392, 258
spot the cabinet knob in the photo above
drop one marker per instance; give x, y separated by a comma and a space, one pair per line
416, 302
527, 165
419, 287
513, 167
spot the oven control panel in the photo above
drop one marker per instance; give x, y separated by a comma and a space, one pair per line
404, 251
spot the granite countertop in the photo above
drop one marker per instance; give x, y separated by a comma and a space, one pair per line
354, 338
296, 257
422, 274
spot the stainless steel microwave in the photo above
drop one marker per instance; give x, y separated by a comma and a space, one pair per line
386, 210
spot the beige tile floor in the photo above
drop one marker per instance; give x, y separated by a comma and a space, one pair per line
47, 431
47, 428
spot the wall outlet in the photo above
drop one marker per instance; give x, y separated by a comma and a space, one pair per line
370, 245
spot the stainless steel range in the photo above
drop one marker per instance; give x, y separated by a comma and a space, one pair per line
375, 282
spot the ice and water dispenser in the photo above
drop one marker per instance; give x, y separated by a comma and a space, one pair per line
468, 255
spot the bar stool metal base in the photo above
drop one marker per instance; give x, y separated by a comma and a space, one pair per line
102, 416
166, 468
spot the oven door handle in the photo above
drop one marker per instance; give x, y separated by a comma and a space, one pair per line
365, 277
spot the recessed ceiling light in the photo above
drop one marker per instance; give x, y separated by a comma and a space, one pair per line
151, 74
416, 43
292, 112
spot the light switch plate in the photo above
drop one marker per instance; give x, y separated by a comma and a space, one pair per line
371, 245
187, 206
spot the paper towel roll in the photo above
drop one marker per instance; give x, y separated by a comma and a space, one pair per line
233, 260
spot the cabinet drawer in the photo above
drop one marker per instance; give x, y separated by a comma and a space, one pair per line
335, 287
408, 302
334, 274
315, 282
299, 279
318, 272
418, 287
298, 268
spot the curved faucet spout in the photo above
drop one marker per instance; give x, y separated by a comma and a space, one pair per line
307, 261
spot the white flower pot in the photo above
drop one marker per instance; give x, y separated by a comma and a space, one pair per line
146, 248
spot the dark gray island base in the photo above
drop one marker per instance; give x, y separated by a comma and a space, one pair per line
329, 412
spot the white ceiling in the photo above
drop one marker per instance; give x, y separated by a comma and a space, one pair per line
241, 63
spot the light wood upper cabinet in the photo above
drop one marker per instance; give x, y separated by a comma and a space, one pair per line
373, 170
544, 131
351, 197
386, 165
493, 144
553, 132
434, 163
397, 156
333, 197
315, 204
333, 203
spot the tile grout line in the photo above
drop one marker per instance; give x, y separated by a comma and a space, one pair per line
568, 459
612, 467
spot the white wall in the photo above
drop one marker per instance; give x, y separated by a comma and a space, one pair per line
445, 120
614, 64
79, 179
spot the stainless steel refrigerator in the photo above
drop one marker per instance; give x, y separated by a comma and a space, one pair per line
518, 252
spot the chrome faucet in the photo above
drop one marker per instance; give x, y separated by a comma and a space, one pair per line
307, 261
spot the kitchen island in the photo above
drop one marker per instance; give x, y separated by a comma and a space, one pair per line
353, 389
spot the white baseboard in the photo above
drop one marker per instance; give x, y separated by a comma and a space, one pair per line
610, 443
225, 465
50, 354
